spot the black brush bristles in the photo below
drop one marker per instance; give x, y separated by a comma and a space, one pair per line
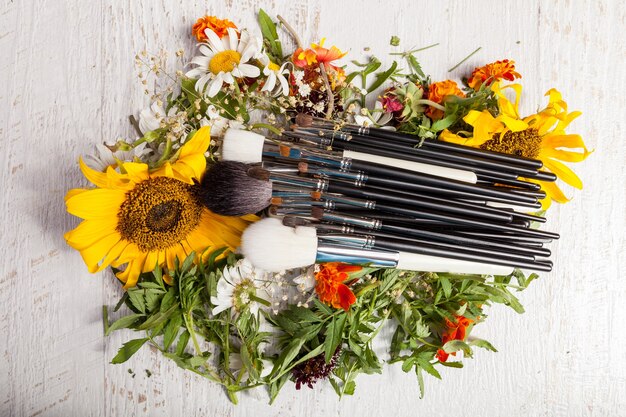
228, 190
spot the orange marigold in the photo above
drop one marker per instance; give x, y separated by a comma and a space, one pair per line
331, 288
317, 54
437, 92
219, 26
454, 331
495, 71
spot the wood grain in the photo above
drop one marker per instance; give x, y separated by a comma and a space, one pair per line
68, 82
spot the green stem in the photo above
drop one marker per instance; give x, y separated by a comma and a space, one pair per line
411, 52
431, 104
271, 128
465, 59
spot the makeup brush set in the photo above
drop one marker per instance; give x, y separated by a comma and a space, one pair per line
336, 192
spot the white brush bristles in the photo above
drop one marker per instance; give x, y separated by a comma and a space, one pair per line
242, 146
270, 246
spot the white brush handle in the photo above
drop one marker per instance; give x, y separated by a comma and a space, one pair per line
416, 262
452, 173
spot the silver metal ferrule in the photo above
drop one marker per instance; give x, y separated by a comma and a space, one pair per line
363, 130
318, 184
357, 256
357, 202
341, 218
357, 177
359, 241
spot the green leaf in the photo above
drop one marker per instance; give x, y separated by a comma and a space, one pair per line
334, 336
395, 41
456, 345
349, 388
382, 77
420, 380
183, 340
428, 367
446, 286
416, 66
444, 123
135, 295
452, 364
483, 344
268, 29
125, 322
128, 349
171, 330
157, 319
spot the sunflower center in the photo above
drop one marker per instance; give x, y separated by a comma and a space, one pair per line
159, 213
224, 61
525, 143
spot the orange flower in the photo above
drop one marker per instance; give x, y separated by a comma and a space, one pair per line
437, 92
317, 54
495, 71
454, 331
331, 288
219, 26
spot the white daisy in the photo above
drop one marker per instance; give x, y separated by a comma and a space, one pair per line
275, 74
104, 156
235, 364
219, 124
154, 117
223, 60
237, 289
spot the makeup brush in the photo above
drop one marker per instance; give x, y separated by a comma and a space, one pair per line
221, 190
325, 143
396, 228
306, 120
248, 147
273, 247
417, 237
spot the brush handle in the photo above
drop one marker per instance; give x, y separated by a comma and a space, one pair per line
439, 171
442, 251
408, 156
458, 158
440, 145
390, 177
522, 185
424, 201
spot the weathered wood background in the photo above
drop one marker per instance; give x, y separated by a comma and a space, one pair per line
67, 82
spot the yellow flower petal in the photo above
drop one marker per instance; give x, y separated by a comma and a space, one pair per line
484, 126
95, 204
515, 125
95, 253
98, 178
564, 141
567, 156
89, 232
136, 171
75, 191
563, 172
553, 192
131, 274
198, 144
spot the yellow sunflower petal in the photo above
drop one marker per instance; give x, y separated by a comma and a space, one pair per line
131, 274
152, 259
89, 232
507, 108
485, 125
198, 144
75, 191
564, 141
95, 204
553, 192
136, 171
95, 253
567, 156
563, 172
114, 254
96, 177
515, 125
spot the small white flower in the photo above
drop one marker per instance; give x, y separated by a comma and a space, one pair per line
298, 76
306, 281
223, 60
304, 90
237, 289
218, 123
154, 117
377, 117
276, 83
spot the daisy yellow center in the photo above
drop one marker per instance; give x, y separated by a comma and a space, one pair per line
273, 66
158, 213
525, 143
224, 61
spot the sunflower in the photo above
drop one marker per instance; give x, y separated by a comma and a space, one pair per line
540, 136
143, 219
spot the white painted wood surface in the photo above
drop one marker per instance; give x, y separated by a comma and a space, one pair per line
67, 82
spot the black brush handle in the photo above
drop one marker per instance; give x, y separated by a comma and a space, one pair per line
437, 250
407, 233
512, 237
411, 140
451, 156
523, 185
378, 173
423, 202
356, 147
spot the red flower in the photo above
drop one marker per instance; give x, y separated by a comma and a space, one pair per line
317, 54
331, 288
219, 26
454, 331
